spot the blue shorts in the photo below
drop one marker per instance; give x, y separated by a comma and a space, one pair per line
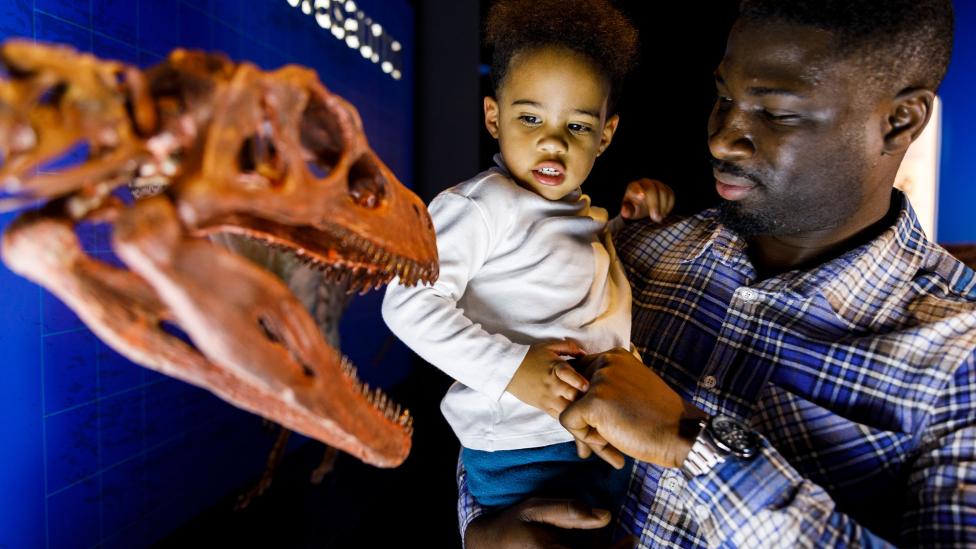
506, 477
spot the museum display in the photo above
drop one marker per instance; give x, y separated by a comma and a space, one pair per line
176, 157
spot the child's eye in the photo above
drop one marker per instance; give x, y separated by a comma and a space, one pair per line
580, 128
529, 119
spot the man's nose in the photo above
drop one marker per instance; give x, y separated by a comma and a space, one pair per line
729, 136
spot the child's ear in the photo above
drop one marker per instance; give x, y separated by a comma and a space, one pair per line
491, 116
607, 136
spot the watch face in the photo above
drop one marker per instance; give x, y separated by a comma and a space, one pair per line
736, 438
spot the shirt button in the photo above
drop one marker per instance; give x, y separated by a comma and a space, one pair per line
672, 484
701, 512
709, 382
748, 294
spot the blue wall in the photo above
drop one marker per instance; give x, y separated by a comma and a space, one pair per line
957, 180
98, 451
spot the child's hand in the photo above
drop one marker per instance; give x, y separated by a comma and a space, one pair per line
545, 380
647, 198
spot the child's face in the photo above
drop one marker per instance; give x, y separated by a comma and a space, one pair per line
550, 120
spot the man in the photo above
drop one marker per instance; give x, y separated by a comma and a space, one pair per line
829, 345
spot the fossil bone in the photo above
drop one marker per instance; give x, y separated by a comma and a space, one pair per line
210, 147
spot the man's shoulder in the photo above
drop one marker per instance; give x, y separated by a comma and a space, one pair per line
641, 244
956, 279
941, 296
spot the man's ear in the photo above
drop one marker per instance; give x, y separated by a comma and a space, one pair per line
606, 137
910, 112
491, 116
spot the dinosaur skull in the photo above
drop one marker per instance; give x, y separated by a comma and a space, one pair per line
272, 156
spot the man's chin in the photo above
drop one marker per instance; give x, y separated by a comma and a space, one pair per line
746, 223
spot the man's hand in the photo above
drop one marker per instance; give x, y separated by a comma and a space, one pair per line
537, 523
647, 198
545, 380
629, 410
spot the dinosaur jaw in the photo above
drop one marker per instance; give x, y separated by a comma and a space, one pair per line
339, 254
247, 323
256, 347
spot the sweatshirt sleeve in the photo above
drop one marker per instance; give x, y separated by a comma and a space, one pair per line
428, 319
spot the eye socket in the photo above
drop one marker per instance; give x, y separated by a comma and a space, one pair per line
529, 120
367, 186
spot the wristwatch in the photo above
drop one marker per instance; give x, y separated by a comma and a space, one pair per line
720, 437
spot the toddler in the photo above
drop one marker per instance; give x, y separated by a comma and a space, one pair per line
528, 273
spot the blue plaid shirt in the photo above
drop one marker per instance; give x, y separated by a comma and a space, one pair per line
859, 376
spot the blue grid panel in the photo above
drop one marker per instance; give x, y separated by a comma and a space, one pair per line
75, 514
123, 504
115, 372
58, 317
15, 19
72, 446
120, 427
22, 517
73, 11
117, 19
50, 28
71, 374
109, 453
957, 171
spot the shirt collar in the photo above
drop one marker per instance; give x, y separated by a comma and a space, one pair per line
891, 258
721, 243
500, 164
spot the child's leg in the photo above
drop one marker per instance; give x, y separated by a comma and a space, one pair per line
504, 478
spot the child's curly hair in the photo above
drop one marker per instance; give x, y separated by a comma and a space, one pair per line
593, 28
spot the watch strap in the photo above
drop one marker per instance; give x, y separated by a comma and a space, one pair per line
704, 454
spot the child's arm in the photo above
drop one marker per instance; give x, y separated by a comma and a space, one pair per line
429, 321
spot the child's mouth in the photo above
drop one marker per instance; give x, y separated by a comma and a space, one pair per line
549, 175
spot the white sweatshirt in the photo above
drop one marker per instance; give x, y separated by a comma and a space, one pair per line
515, 269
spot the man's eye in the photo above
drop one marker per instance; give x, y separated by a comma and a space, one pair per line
529, 119
580, 128
780, 117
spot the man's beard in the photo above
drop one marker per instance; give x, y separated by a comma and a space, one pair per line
792, 214
735, 216
746, 224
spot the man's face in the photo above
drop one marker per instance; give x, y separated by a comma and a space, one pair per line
550, 119
793, 136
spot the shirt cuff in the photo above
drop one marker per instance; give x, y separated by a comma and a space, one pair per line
499, 378
734, 499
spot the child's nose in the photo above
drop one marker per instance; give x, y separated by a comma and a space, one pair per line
552, 143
